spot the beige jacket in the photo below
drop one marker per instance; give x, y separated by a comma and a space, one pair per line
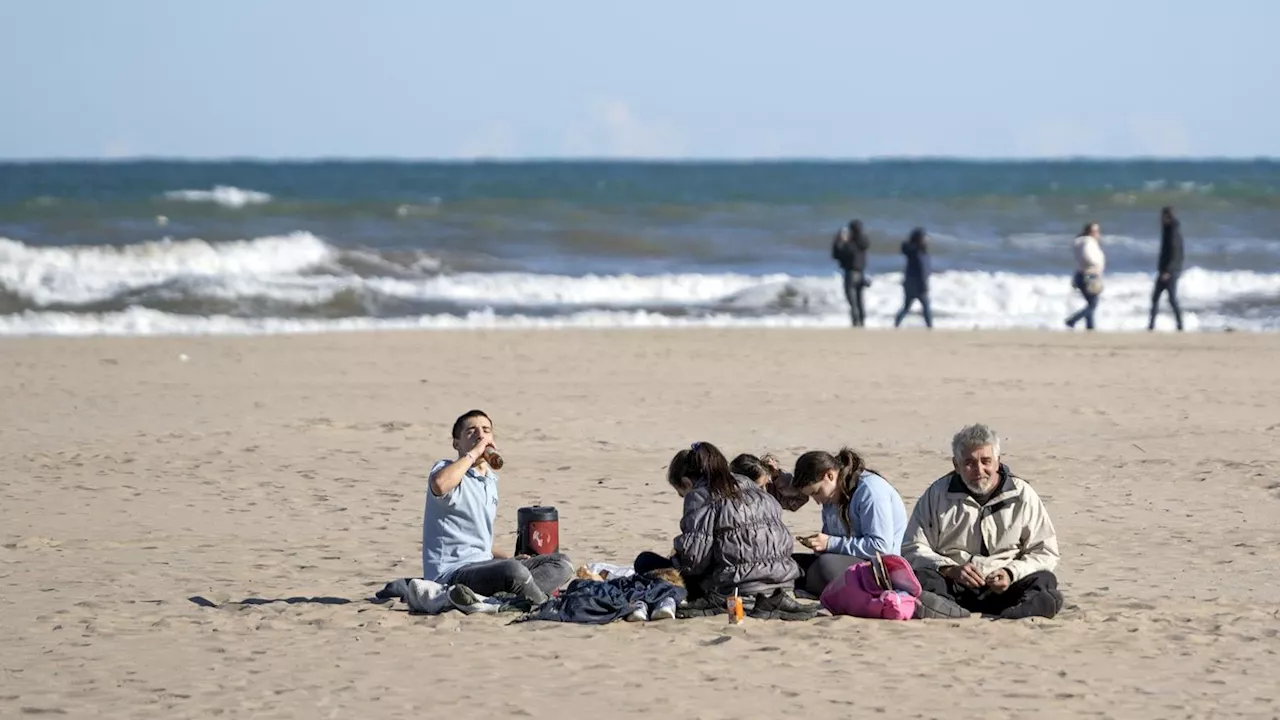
1089, 257
1011, 531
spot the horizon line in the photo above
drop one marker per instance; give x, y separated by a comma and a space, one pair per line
638, 160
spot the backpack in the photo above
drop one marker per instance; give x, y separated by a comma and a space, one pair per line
884, 588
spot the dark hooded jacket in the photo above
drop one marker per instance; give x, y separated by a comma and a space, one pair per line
915, 279
737, 543
1170, 248
851, 253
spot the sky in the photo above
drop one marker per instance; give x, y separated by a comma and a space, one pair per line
705, 80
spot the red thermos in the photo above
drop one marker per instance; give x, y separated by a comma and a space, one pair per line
537, 530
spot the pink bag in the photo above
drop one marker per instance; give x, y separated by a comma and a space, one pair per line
884, 588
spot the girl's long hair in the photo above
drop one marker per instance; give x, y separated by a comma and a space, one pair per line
703, 462
849, 466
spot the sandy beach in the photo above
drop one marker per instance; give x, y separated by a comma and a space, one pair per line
294, 467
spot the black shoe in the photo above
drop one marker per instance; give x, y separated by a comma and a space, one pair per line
931, 606
1045, 604
781, 606
1058, 600
702, 607
394, 590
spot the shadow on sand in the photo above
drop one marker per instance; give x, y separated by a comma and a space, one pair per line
298, 600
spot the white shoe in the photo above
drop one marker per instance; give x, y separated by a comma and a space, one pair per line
639, 613
425, 596
666, 610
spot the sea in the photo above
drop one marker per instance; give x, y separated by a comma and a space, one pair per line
250, 247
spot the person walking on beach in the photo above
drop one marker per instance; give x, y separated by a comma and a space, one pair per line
1169, 267
915, 279
849, 249
1090, 262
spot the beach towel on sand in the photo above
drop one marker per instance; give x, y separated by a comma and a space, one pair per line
596, 603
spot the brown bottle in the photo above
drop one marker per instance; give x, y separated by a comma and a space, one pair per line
492, 457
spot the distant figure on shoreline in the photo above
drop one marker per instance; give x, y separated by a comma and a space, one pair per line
850, 250
915, 279
1090, 263
1169, 267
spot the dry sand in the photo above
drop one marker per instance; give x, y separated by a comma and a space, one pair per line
281, 467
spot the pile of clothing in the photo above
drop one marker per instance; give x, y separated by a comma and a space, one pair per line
601, 594
634, 598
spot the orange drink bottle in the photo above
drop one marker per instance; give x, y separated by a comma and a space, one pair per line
735, 608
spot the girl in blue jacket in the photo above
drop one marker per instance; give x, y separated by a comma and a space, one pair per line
862, 514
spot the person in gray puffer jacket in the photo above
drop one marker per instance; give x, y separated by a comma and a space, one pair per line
732, 538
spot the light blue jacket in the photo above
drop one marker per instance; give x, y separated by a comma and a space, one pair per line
877, 516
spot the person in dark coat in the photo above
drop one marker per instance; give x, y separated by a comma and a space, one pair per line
732, 541
849, 249
915, 279
1169, 267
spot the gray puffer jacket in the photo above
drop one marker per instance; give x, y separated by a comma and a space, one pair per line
740, 543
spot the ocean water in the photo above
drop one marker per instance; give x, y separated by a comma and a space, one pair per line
136, 248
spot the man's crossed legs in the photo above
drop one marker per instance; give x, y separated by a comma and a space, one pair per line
532, 578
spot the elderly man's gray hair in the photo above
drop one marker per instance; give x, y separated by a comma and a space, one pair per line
973, 437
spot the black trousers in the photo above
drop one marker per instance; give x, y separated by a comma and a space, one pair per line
1035, 595
854, 283
908, 299
817, 570
1169, 286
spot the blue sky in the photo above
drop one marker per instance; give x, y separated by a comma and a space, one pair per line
321, 78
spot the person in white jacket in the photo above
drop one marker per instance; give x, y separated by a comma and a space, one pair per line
981, 538
1090, 262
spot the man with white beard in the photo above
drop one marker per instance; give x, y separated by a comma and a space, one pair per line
981, 538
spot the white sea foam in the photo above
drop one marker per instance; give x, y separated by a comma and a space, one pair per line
80, 275
142, 321
1183, 186
283, 269
224, 195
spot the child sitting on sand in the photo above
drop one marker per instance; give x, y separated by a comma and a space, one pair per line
768, 476
732, 540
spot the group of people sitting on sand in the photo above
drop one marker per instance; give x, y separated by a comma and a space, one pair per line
979, 539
